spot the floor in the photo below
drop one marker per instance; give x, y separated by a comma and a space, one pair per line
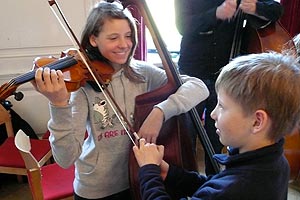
10, 189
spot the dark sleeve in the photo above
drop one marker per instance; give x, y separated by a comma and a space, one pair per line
184, 182
151, 184
189, 22
270, 9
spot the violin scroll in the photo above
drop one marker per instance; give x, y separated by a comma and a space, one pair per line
8, 89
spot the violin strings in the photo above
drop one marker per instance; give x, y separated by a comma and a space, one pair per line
59, 64
84, 59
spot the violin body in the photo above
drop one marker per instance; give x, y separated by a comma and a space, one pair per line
74, 77
81, 72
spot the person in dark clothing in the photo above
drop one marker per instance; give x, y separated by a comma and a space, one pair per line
255, 110
207, 29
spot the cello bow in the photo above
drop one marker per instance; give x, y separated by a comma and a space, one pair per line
174, 133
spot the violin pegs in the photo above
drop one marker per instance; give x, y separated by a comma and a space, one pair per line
18, 96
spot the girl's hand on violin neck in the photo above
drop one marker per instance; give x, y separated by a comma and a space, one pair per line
51, 84
148, 153
152, 125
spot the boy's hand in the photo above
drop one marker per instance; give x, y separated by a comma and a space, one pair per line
148, 153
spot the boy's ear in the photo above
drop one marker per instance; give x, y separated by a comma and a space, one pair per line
261, 121
93, 41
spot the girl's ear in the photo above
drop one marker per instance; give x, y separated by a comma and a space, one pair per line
93, 41
261, 121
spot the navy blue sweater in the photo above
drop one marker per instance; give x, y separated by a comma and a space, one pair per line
260, 174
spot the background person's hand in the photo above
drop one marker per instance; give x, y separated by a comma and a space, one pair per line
248, 6
226, 10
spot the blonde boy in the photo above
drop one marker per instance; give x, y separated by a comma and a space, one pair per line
258, 104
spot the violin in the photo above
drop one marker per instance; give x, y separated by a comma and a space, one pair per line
76, 73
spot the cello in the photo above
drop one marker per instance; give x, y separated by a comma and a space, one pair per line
174, 133
270, 37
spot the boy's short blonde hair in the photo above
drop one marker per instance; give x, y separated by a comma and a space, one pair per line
267, 81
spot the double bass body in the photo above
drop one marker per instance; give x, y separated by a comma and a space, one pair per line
174, 133
270, 38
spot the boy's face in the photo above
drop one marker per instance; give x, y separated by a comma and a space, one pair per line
233, 126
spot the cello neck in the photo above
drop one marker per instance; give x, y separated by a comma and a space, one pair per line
238, 33
173, 75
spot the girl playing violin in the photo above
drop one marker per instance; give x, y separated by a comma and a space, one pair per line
101, 159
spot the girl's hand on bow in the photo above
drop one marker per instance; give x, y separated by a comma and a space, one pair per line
152, 125
51, 84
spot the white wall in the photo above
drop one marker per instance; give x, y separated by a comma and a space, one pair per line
29, 29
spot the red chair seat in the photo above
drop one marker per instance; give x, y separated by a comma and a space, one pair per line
57, 182
10, 156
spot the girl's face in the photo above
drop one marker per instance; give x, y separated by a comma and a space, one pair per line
233, 126
114, 41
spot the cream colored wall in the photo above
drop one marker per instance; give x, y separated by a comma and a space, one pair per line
29, 29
